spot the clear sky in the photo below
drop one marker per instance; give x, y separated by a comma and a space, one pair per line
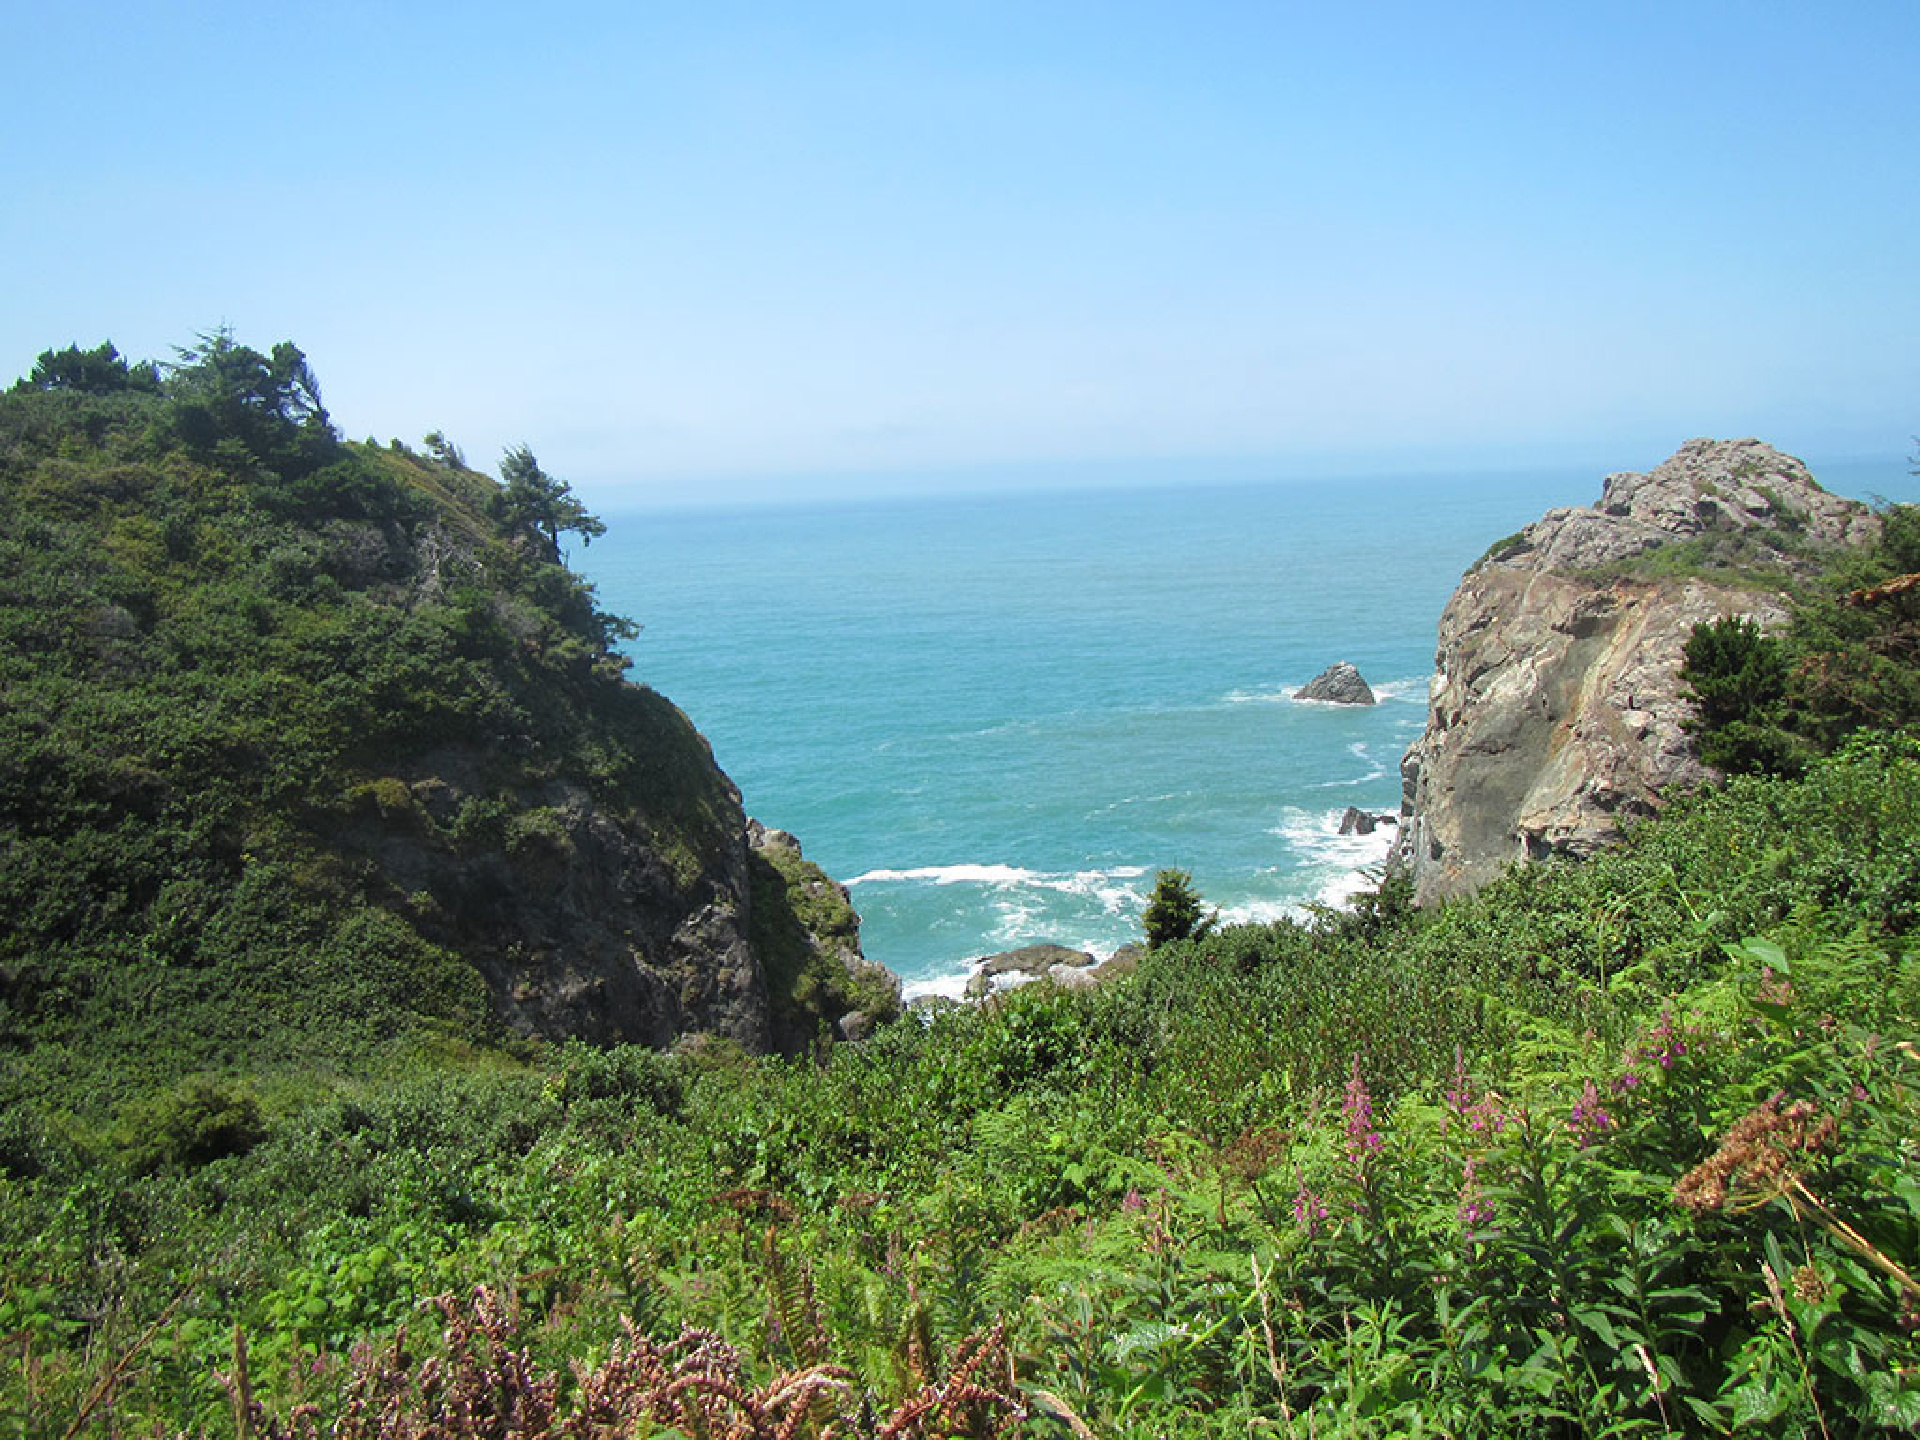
708, 250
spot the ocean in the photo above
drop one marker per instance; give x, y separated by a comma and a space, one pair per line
995, 718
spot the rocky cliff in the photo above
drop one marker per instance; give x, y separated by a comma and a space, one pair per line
1556, 713
308, 745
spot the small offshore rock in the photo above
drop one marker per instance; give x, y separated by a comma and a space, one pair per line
1339, 685
1356, 822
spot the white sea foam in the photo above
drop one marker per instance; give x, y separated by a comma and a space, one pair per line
1132, 800
1339, 866
1106, 886
1363, 752
951, 875
1025, 907
1413, 688
947, 985
1260, 912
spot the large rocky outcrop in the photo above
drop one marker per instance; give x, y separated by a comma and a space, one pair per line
350, 753
580, 924
1556, 711
807, 937
636, 915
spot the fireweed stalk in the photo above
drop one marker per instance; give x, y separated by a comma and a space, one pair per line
1363, 1141
1476, 1117
1588, 1122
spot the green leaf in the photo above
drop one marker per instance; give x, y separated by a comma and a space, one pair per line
1760, 951
1599, 1324
1757, 1402
1710, 1415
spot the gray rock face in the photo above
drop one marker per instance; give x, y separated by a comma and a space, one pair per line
1035, 962
810, 948
1555, 713
1355, 821
580, 920
579, 923
1339, 685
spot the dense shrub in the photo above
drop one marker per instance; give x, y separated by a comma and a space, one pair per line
1622, 1146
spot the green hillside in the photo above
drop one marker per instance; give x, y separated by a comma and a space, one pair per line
1629, 1147
314, 756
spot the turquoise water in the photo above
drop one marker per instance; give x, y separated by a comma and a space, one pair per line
995, 719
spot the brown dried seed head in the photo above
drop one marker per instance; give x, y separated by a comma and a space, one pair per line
1756, 1153
1809, 1284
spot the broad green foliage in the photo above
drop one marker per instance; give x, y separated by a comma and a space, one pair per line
1625, 1147
1849, 659
230, 644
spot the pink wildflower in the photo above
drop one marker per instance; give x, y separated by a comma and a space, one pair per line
1474, 1209
1588, 1122
1459, 1092
1666, 1043
1309, 1210
1362, 1139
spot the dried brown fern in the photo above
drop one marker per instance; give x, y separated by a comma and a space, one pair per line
482, 1386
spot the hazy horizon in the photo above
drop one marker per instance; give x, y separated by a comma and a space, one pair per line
745, 253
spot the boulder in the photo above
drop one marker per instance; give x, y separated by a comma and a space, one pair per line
1356, 821
1123, 961
1337, 685
1035, 962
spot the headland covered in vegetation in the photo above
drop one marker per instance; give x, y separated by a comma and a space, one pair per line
1623, 1146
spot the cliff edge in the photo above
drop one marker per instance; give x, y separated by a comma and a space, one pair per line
1556, 711
314, 750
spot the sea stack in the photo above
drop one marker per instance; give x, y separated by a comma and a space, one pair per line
1337, 685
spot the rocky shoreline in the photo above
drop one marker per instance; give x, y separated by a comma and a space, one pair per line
1057, 964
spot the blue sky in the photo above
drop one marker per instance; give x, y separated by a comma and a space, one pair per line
721, 251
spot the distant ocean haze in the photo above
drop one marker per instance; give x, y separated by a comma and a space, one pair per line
997, 718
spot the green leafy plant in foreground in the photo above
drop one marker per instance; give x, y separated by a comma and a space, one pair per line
1456, 1177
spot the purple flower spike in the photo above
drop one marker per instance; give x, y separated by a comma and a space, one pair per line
1475, 1209
1587, 1122
1362, 1139
1309, 1210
